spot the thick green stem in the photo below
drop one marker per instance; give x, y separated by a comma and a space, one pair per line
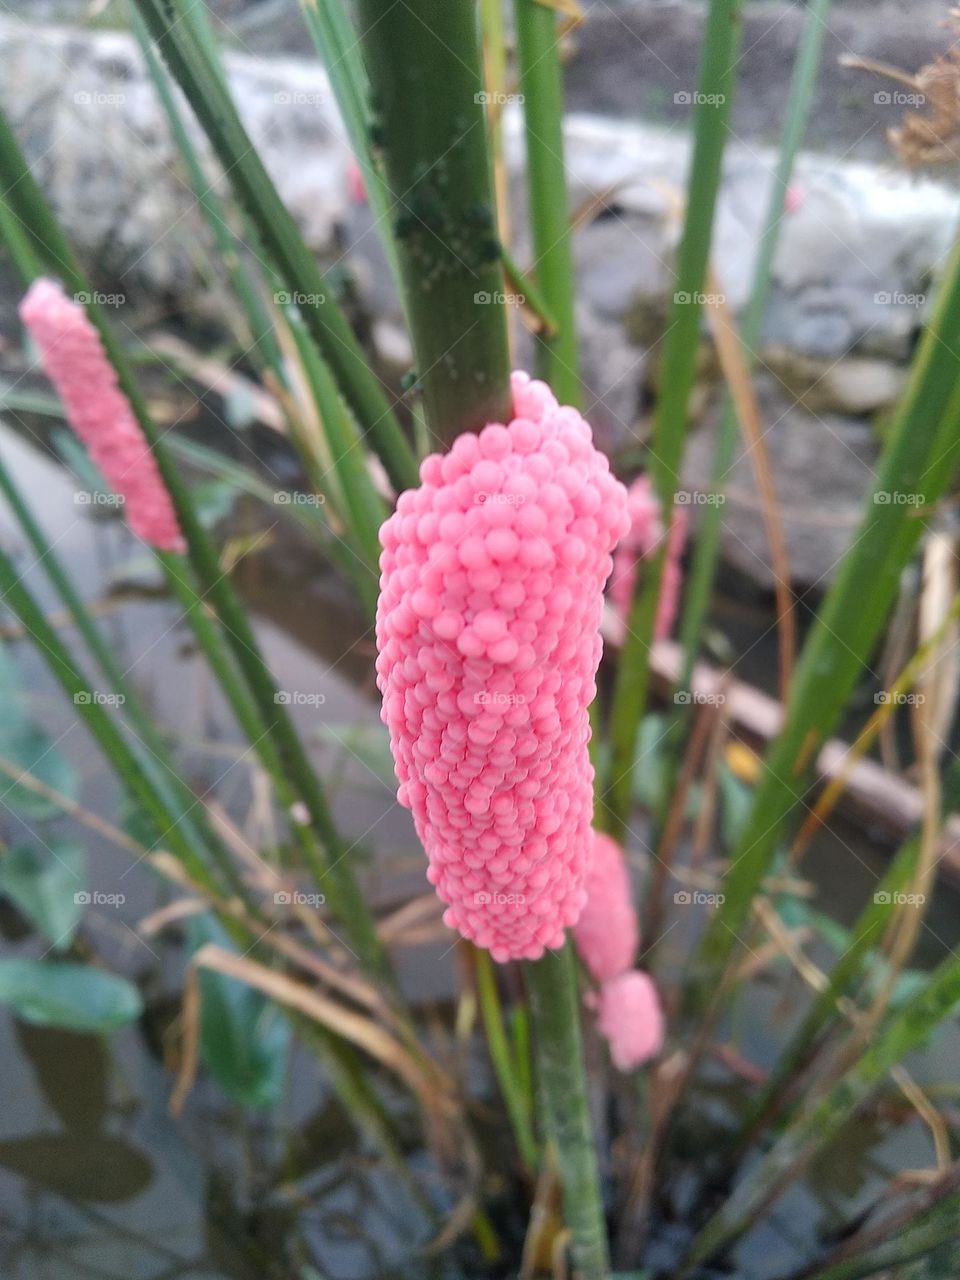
555, 1014
541, 84
423, 60
714, 98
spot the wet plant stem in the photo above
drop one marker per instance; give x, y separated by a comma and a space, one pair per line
541, 84
718, 69
554, 996
424, 64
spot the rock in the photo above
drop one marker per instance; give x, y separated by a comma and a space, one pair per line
823, 466
856, 385
96, 137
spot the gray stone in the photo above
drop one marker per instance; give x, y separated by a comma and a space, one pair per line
823, 465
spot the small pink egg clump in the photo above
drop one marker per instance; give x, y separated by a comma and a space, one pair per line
607, 934
630, 1019
488, 635
641, 543
74, 360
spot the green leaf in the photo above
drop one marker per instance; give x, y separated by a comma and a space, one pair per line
46, 887
25, 744
73, 996
244, 1038
213, 500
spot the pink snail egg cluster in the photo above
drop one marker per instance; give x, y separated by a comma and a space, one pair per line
630, 1019
607, 934
488, 635
643, 541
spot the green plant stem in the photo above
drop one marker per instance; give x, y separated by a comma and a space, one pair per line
541, 83
423, 60
555, 1015
198, 76
920, 459
706, 548
903, 1031
33, 213
716, 84
511, 1085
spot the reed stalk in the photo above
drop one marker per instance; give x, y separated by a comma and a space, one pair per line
423, 61
716, 81
541, 86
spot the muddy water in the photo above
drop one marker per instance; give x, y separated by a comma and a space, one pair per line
96, 1179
